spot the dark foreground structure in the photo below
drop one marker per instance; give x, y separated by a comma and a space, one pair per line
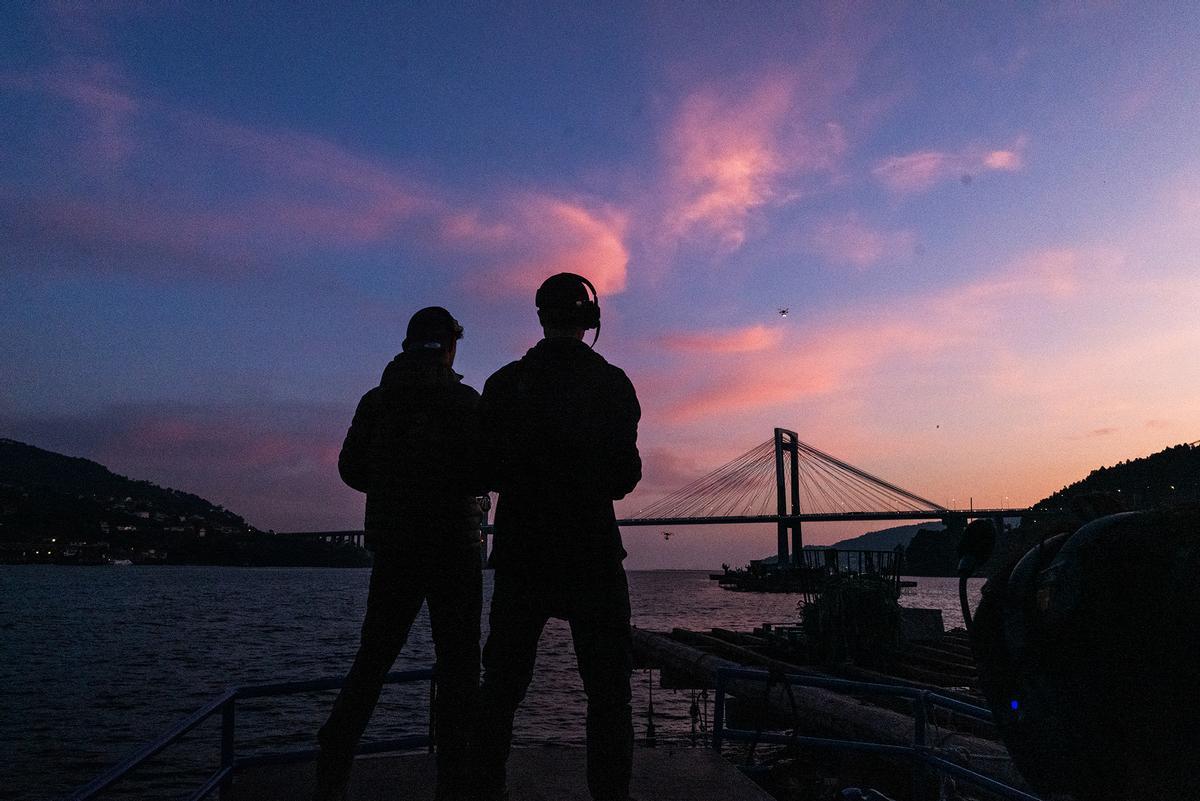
548, 773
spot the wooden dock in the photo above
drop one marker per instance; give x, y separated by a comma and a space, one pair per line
542, 773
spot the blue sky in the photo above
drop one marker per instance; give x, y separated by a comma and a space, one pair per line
215, 222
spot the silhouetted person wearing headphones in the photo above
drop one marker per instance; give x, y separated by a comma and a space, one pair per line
561, 441
411, 449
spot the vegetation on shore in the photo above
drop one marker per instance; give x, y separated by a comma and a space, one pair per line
68, 510
1165, 479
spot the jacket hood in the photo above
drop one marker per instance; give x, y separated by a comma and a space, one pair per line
416, 369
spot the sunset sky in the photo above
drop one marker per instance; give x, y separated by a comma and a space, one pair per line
216, 219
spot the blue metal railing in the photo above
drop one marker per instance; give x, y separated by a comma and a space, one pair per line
919, 753
226, 704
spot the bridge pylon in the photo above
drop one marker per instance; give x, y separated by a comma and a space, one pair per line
787, 489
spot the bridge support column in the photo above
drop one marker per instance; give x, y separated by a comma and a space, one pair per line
797, 534
781, 529
787, 488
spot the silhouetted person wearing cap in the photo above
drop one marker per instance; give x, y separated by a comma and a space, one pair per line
411, 449
560, 430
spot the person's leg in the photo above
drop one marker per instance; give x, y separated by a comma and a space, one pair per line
393, 601
508, 658
455, 600
604, 652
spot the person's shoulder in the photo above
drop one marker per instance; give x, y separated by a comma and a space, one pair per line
464, 392
369, 404
614, 373
371, 397
504, 376
505, 373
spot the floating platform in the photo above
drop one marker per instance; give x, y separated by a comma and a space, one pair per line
691, 660
540, 773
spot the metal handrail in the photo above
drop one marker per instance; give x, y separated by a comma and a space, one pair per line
919, 752
226, 704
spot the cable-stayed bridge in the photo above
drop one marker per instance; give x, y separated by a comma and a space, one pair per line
788, 482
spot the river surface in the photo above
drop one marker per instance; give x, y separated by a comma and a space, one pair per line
96, 661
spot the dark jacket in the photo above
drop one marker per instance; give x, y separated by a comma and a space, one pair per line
560, 428
413, 448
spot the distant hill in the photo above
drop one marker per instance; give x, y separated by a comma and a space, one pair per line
46, 493
1168, 478
885, 539
49, 499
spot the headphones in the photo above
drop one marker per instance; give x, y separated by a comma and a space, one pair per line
584, 313
1078, 663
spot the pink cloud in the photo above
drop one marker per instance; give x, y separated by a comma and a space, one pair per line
315, 189
308, 161
468, 229
665, 470
1006, 160
738, 340
99, 93
914, 172
133, 236
754, 386
301, 191
539, 235
1005, 386
831, 356
815, 363
731, 153
1054, 273
93, 86
86, 26
1102, 432
298, 190
850, 241
918, 172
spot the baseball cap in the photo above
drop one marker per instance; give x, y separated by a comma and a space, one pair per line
432, 328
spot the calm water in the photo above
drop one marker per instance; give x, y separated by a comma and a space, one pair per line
96, 661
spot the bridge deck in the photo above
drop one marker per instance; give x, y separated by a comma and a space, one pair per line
827, 517
545, 773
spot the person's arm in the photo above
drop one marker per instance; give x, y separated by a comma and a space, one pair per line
354, 461
488, 449
474, 443
625, 467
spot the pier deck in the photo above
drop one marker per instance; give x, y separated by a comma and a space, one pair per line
542, 773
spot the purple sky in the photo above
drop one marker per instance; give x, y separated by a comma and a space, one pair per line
215, 222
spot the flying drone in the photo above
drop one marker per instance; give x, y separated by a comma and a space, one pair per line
667, 536
783, 312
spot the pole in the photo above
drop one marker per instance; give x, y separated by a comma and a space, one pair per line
228, 752
781, 530
797, 534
